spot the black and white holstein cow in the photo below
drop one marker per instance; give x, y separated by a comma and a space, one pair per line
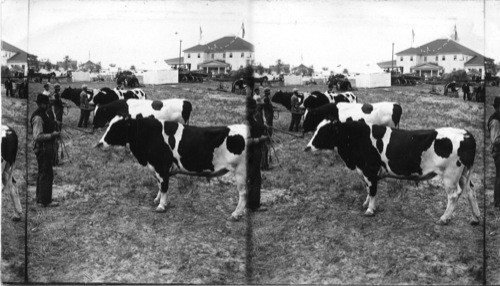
317, 99
9, 153
285, 98
381, 113
174, 109
73, 94
107, 95
378, 152
171, 148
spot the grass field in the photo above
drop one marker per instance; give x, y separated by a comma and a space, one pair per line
106, 229
492, 215
13, 233
315, 231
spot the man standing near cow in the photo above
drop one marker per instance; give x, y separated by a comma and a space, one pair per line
466, 91
84, 108
255, 142
494, 129
8, 87
296, 111
267, 110
44, 136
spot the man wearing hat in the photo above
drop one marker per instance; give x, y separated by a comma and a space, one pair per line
44, 135
57, 104
494, 129
84, 108
267, 110
296, 112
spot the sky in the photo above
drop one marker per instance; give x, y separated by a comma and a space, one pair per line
336, 34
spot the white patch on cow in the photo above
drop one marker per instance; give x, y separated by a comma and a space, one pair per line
380, 115
321, 124
113, 121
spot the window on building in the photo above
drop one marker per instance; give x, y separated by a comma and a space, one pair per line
213, 56
198, 55
437, 58
249, 55
242, 54
189, 56
425, 59
454, 57
401, 58
230, 55
224, 55
411, 58
481, 71
443, 58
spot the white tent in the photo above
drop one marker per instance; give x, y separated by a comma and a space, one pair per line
80, 76
159, 73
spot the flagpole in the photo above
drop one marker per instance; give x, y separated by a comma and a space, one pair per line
392, 59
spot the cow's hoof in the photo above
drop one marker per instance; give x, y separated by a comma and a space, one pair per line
442, 222
160, 209
369, 213
16, 218
474, 222
233, 218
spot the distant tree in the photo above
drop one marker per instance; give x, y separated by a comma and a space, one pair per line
278, 66
97, 67
132, 68
66, 62
259, 69
47, 65
33, 62
324, 68
112, 65
345, 71
489, 66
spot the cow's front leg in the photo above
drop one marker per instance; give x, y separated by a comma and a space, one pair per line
163, 196
242, 196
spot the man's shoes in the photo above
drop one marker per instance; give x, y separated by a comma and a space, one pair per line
51, 205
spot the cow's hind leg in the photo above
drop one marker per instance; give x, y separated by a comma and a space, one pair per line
240, 175
453, 191
162, 194
371, 187
464, 183
8, 185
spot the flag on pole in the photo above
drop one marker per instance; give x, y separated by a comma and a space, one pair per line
456, 35
201, 32
243, 30
412, 37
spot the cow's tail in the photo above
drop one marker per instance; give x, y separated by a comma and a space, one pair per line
186, 111
397, 111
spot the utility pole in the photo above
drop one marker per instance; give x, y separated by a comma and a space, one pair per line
180, 45
392, 58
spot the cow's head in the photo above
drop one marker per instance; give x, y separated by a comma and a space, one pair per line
117, 132
325, 137
313, 117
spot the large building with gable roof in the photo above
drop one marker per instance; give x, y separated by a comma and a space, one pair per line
14, 58
437, 57
226, 53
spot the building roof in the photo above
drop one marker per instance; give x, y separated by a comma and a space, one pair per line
174, 61
387, 64
20, 56
475, 61
439, 46
214, 64
228, 43
427, 66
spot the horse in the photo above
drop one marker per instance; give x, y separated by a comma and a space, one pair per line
261, 80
